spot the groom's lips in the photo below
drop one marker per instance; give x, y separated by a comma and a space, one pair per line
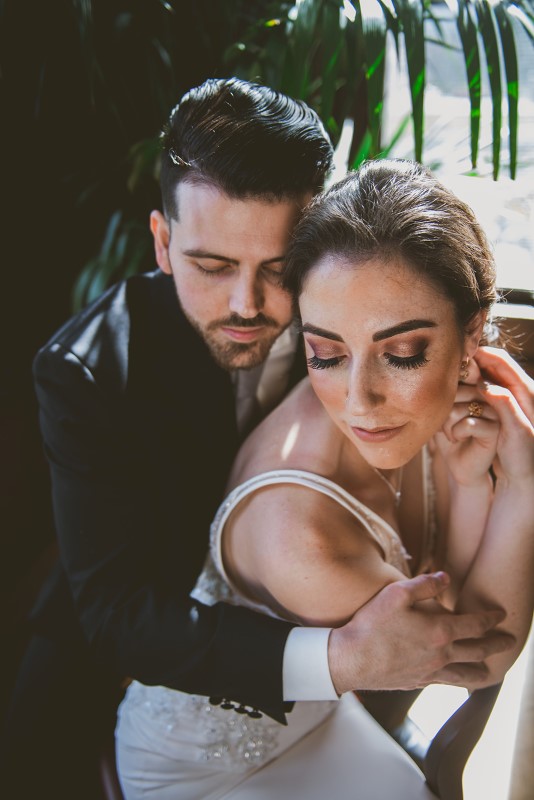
243, 334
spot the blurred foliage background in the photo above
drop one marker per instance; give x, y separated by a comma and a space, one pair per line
89, 84
85, 86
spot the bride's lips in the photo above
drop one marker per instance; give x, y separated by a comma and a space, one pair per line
243, 334
376, 434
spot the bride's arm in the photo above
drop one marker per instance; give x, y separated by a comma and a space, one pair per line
490, 548
465, 449
299, 553
502, 572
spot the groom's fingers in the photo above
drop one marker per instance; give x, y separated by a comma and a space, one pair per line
462, 675
475, 626
422, 587
476, 650
466, 667
449, 627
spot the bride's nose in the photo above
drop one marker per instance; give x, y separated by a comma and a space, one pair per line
365, 389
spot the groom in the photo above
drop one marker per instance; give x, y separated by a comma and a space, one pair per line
144, 397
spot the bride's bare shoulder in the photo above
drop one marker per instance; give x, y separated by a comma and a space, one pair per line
293, 436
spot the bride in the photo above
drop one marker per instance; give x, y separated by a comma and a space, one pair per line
394, 457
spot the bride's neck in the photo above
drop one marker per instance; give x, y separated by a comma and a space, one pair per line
360, 478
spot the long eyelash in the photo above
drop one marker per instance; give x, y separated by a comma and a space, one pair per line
323, 363
412, 362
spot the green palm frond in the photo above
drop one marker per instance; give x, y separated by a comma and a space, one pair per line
374, 31
332, 46
335, 57
488, 32
467, 31
124, 252
508, 48
333, 54
411, 16
299, 74
523, 12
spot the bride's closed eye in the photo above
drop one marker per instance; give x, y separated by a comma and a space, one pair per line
399, 362
407, 362
314, 362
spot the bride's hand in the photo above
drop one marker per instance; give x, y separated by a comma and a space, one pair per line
503, 434
514, 460
498, 366
469, 438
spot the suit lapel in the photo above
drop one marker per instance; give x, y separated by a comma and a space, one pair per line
184, 407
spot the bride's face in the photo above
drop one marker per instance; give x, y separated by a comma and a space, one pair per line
384, 351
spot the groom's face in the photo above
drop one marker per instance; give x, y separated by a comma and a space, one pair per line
226, 256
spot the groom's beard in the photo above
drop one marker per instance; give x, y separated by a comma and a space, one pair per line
232, 355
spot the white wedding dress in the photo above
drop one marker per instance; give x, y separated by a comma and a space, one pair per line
176, 746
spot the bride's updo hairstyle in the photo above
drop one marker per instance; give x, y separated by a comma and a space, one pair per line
390, 209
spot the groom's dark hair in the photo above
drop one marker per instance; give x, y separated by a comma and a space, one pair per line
245, 139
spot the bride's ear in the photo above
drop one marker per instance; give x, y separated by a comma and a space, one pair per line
473, 333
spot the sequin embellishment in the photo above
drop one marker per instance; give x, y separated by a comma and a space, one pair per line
234, 740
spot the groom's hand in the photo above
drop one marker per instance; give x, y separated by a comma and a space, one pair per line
397, 641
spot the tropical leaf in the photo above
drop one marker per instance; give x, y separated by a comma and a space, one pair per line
124, 252
411, 16
363, 152
392, 20
332, 46
523, 11
134, 62
512, 79
467, 31
144, 157
304, 44
355, 102
525, 18
487, 27
374, 30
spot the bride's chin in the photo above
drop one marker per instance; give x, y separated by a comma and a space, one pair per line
386, 464
382, 459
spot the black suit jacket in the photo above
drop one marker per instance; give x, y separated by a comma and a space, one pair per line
139, 428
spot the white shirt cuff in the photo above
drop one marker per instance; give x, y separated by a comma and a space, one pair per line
306, 674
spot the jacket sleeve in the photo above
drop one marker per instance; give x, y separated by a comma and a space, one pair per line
137, 620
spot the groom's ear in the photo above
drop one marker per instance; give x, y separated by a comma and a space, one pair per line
473, 334
161, 234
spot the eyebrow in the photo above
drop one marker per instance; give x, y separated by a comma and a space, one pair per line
403, 327
226, 259
307, 328
395, 330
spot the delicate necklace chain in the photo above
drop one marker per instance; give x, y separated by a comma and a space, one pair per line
397, 493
